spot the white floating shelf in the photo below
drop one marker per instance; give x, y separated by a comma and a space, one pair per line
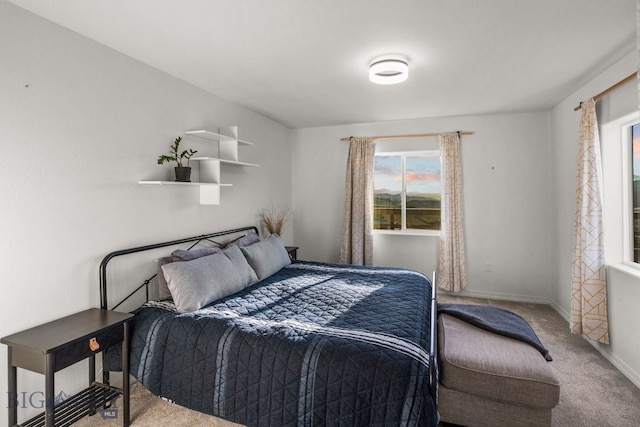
209, 191
209, 167
200, 184
224, 161
214, 136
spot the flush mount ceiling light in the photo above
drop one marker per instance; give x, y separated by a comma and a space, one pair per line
388, 71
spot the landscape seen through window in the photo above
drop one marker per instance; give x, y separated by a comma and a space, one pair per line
421, 184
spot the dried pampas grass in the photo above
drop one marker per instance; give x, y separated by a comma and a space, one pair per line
274, 220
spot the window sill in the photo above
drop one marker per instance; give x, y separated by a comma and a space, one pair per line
630, 270
432, 233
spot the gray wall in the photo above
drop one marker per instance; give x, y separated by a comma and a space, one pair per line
623, 282
90, 124
507, 195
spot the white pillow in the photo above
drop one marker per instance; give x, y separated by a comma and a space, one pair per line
194, 284
267, 256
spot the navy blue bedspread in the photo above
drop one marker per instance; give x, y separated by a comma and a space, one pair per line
313, 345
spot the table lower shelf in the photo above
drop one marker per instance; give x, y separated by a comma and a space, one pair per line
78, 406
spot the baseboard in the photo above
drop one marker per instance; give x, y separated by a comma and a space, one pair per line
626, 370
561, 311
497, 296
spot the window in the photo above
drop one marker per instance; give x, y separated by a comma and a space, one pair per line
406, 191
635, 189
621, 191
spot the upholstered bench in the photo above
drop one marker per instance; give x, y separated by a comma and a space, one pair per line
488, 379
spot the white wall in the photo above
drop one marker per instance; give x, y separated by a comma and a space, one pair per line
507, 195
80, 124
623, 286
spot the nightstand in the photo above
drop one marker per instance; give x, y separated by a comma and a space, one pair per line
53, 346
292, 251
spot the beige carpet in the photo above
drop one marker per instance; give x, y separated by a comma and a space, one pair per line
592, 391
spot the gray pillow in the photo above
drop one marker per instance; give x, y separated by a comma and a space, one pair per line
163, 289
267, 256
191, 254
194, 284
179, 255
246, 240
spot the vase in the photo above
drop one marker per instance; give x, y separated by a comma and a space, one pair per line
183, 174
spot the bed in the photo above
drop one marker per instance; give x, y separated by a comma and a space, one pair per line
311, 344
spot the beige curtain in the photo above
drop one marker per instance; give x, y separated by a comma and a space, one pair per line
588, 285
452, 271
357, 225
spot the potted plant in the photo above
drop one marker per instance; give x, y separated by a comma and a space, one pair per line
183, 173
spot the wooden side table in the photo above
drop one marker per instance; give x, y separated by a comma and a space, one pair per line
53, 346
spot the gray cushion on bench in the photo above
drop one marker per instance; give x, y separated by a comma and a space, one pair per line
490, 368
498, 320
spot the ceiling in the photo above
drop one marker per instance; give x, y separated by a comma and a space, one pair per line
304, 63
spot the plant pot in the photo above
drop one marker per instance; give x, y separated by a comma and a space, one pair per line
183, 174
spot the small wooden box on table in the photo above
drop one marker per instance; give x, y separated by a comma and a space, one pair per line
53, 346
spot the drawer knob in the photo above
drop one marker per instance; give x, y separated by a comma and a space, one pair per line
93, 344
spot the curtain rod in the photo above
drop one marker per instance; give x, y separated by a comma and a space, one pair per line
610, 88
418, 135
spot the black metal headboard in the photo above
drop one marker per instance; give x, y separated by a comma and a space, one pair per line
196, 239
434, 370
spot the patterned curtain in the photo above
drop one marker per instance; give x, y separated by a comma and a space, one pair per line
588, 285
452, 271
357, 225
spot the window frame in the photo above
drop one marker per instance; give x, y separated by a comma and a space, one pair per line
404, 154
627, 192
615, 137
